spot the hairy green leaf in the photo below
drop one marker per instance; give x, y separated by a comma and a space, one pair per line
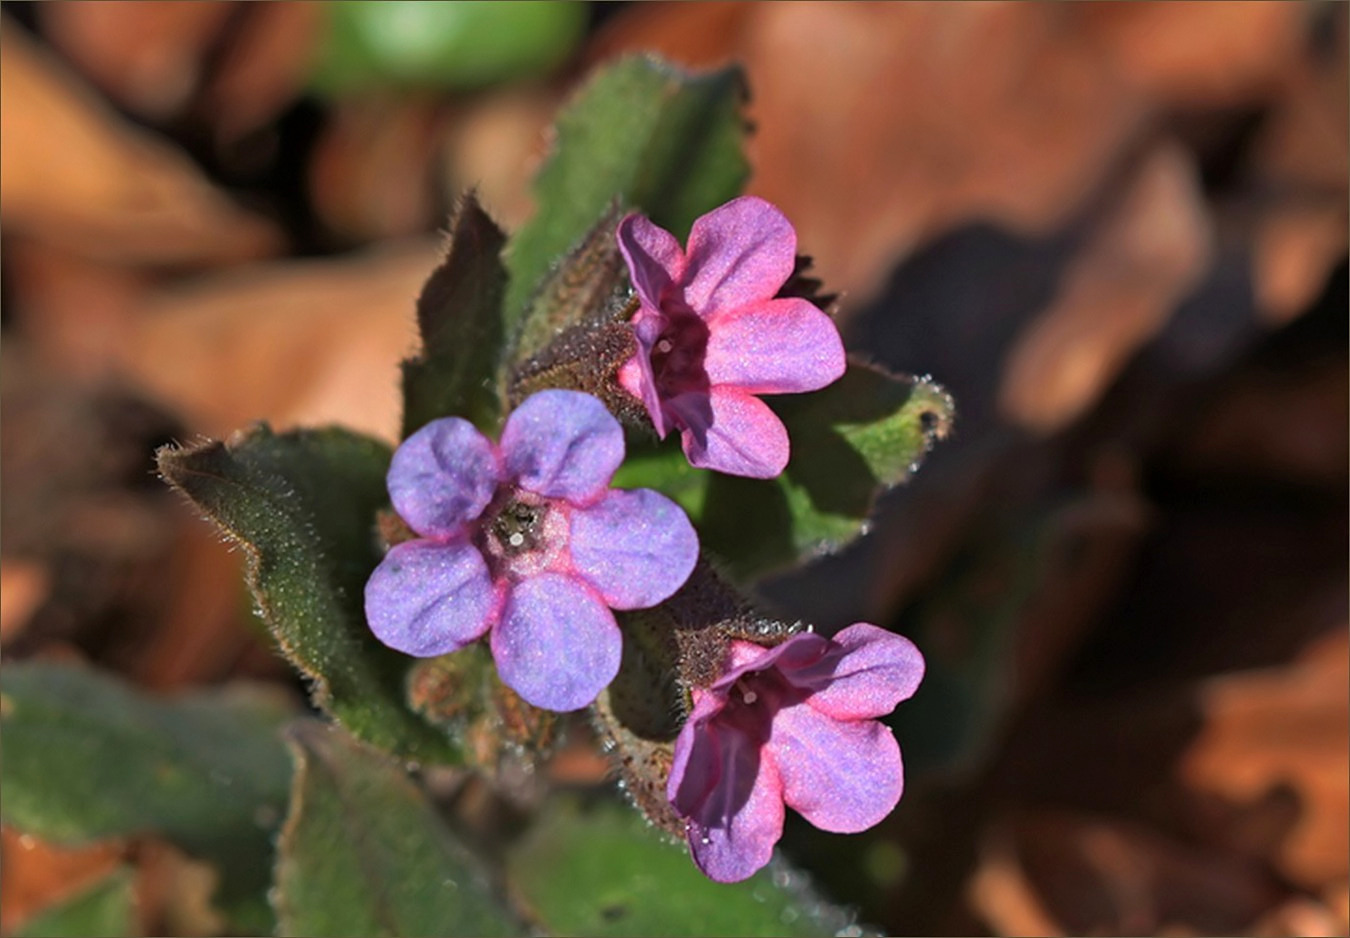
302, 505
641, 132
459, 316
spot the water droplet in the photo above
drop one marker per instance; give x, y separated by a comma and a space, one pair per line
705, 840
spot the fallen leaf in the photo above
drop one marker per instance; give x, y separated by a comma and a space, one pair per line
880, 125
263, 66
371, 176
38, 874
1099, 875
148, 57
1285, 727
24, 586
1118, 292
1297, 178
1198, 53
494, 145
305, 342
73, 173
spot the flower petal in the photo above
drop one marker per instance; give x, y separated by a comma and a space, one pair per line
731, 797
739, 253
428, 598
732, 432
654, 258
865, 673
562, 444
636, 548
636, 376
557, 645
841, 776
443, 476
774, 347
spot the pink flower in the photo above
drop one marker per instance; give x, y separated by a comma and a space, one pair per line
526, 540
711, 335
791, 725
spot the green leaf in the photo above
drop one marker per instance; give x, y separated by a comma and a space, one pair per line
658, 139
104, 910
851, 441
459, 316
602, 870
302, 505
436, 44
364, 852
86, 757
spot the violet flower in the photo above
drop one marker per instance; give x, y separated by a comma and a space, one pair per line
711, 334
525, 539
791, 725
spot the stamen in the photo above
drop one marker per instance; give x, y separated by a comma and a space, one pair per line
749, 696
664, 346
515, 540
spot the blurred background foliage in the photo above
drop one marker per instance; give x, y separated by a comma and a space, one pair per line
1115, 232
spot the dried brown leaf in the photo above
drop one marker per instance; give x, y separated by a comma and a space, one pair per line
73, 173
1119, 292
148, 57
1285, 727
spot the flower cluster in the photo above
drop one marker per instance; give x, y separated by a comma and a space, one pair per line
794, 724
523, 541
711, 334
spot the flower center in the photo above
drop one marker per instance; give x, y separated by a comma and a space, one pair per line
677, 356
522, 533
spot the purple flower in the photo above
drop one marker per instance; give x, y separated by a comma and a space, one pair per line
525, 539
791, 724
711, 335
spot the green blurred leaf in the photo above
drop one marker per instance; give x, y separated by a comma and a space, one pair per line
364, 853
87, 757
435, 44
104, 910
603, 871
459, 316
302, 505
658, 139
